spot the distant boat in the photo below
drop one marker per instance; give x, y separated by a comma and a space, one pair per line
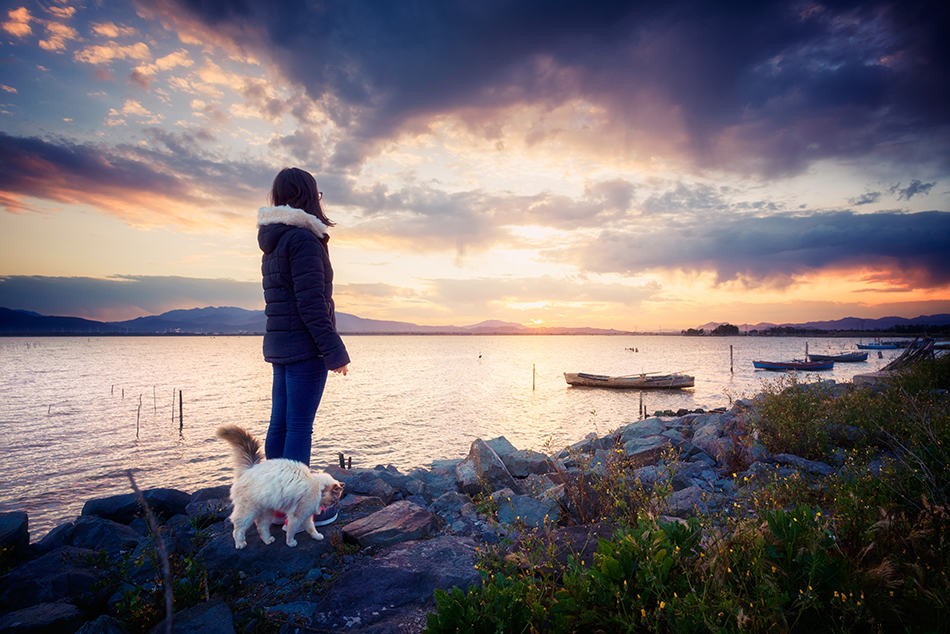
632, 381
844, 357
797, 364
879, 346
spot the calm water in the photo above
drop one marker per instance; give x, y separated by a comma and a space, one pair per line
76, 413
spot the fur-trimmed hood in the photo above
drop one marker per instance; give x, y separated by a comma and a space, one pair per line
286, 215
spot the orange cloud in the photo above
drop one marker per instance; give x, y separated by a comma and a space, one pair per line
18, 24
112, 30
106, 53
58, 36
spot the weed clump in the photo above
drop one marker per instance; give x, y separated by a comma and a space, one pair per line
864, 549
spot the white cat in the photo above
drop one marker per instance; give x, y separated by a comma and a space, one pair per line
262, 487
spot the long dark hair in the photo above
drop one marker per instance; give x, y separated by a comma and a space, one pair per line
297, 188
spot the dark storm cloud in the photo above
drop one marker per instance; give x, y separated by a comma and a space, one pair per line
914, 188
38, 167
868, 198
122, 297
766, 86
913, 247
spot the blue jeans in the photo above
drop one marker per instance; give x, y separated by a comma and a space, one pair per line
296, 393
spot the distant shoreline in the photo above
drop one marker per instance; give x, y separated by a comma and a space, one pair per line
871, 334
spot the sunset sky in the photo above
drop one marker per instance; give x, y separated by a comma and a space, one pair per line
631, 165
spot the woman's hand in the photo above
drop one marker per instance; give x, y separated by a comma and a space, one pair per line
341, 370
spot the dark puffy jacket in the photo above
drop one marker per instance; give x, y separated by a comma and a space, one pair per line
298, 288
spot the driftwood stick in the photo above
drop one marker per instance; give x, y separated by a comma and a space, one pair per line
162, 553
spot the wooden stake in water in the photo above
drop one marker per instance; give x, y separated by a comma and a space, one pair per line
138, 417
806, 350
532, 377
181, 417
642, 413
730, 359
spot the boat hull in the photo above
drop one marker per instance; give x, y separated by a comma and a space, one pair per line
878, 346
848, 357
784, 366
635, 382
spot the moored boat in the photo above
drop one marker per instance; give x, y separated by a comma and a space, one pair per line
632, 381
796, 364
878, 346
844, 357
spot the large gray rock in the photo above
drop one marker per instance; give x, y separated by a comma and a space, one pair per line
641, 429
522, 463
396, 582
501, 446
14, 536
528, 511
365, 482
213, 617
686, 502
66, 574
483, 471
811, 467
125, 507
260, 559
646, 450
103, 625
398, 522
43, 617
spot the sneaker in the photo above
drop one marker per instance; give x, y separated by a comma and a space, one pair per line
327, 515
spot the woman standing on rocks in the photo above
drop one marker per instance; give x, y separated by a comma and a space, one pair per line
300, 341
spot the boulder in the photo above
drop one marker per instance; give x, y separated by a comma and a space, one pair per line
501, 446
365, 482
213, 617
482, 471
398, 522
124, 508
522, 463
644, 450
260, 559
641, 428
356, 506
689, 501
65, 574
395, 582
14, 537
97, 533
811, 467
528, 511
43, 617
103, 625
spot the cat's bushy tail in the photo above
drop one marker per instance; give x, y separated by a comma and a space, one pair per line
247, 448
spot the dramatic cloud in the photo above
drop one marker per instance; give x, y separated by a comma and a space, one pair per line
911, 246
142, 185
767, 87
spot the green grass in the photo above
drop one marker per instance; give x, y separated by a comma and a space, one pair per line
864, 550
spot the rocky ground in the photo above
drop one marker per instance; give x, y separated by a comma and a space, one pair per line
399, 537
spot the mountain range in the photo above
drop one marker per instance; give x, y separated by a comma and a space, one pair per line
233, 321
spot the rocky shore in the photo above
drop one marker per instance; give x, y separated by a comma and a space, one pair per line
399, 537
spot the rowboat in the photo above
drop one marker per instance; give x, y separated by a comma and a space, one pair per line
797, 364
632, 381
844, 357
